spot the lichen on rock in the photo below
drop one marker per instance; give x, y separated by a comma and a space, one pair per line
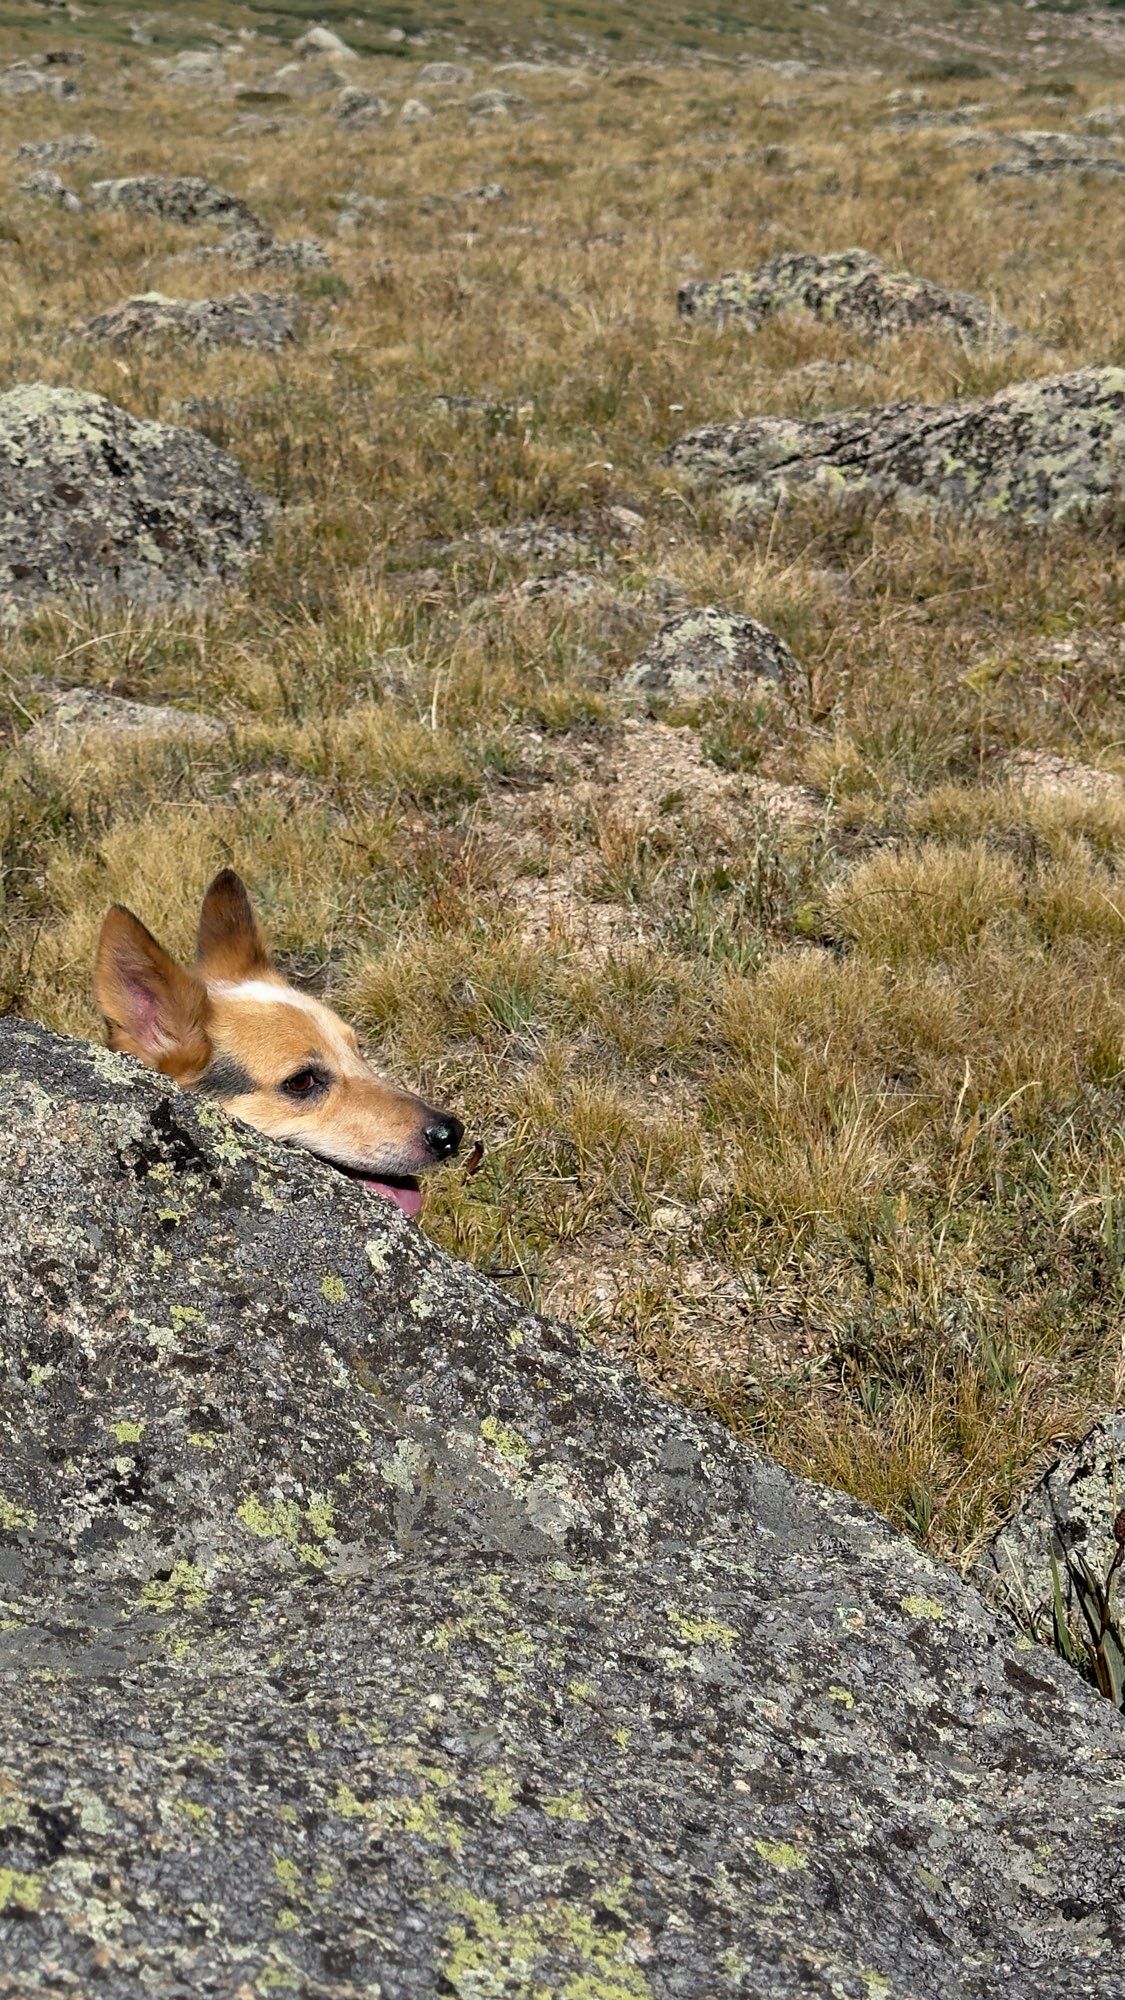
362, 1633
851, 288
265, 321
186, 198
706, 650
1037, 452
93, 499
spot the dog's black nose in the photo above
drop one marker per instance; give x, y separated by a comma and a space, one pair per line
443, 1135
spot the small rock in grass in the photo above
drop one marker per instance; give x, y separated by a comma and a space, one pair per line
706, 651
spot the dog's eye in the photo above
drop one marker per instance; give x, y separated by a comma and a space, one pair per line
304, 1083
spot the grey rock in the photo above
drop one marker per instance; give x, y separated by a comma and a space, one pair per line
265, 321
196, 69
414, 112
851, 288
363, 1634
320, 41
72, 715
442, 76
1038, 452
251, 250
1051, 166
46, 185
93, 499
498, 104
60, 152
186, 198
706, 650
1073, 1505
357, 108
22, 79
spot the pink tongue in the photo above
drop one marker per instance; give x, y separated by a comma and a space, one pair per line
408, 1199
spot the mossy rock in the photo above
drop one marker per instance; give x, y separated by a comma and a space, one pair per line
361, 1633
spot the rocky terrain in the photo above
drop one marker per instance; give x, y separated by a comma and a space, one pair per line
614, 527
362, 1631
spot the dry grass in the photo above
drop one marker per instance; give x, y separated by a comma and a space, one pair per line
809, 1100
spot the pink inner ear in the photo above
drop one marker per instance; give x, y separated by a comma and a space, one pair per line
144, 1014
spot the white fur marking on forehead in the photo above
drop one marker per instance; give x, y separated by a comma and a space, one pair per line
269, 991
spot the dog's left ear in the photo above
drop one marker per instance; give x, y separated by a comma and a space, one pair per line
230, 944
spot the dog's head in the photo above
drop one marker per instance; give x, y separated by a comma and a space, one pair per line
232, 1026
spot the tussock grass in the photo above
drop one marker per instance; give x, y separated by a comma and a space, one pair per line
829, 1105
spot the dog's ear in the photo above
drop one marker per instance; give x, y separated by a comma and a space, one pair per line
230, 944
153, 1008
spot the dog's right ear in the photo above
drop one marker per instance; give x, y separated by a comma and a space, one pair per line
230, 943
152, 1008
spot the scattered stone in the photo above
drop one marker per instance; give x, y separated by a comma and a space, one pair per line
253, 125
256, 250
357, 108
74, 714
707, 651
264, 321
186, 198
414, 112
536, 541
195, 67
322, 42
21, 79
48, 186
343, 1525
498, 104
484, 191
442, 76
93, 499
60, 152
1072, 1506
851, 288
1045, 773
1037, 452
1105, 118
1050, 166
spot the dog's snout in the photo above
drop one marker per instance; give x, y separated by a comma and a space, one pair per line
443, 1135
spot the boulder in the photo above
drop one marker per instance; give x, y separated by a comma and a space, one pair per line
851, 288
1037, 452
323, 42
71, 716
414, 112
364, 1634
1071, 1508
442, 76
356, 108
255, 250
706, 650
265, 321
93, 499
184, 198
46, 185
60, 152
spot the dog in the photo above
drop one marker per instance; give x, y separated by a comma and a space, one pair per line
232, 1027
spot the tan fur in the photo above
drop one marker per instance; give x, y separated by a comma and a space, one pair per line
232, 1025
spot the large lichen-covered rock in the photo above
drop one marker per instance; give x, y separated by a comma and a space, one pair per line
707, 650
1071, 1508
1038, 452
362, 1634
93, 499
186, 198
851, 287
72, 715
264, 321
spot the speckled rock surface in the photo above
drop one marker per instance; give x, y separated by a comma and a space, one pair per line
184, 198
60, 152
361, 1634
711, 651
1037, 452
72, 715
264, 321
850, 287
93, 499
1073, 1504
